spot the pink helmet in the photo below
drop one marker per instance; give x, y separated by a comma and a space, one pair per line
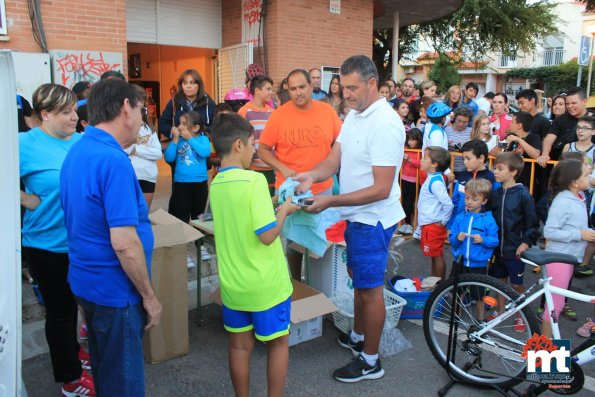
236, 94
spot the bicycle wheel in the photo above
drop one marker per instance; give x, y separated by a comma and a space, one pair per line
493, 358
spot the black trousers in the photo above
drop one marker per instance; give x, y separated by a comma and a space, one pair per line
188, 200
50, 271
408, 202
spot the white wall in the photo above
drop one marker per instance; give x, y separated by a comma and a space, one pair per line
10, 236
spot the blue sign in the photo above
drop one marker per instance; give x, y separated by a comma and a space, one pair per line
585, 50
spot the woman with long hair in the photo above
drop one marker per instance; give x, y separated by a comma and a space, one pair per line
335, 96
191, 96
42, 151
558, 106
453, 97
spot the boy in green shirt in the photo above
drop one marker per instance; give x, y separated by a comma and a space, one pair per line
255, 284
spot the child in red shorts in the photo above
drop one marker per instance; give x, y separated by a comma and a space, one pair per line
434, 207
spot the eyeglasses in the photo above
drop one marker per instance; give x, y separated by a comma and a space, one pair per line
581, 128
144, 110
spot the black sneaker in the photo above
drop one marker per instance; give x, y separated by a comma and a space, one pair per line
582, 271
346, 341
358, 369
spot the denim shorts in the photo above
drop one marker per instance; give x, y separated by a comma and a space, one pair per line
367, 253
267, 324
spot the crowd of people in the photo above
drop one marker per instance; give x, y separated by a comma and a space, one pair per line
394, 157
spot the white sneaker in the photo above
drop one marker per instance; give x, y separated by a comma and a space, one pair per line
403, 228
190, 263
417, 233
204, 254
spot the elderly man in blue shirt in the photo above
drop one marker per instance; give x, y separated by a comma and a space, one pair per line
110, 239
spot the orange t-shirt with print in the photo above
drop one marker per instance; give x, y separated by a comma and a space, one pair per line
302, 139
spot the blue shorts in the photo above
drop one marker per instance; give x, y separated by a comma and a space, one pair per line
267, 325
367, 253
511, 268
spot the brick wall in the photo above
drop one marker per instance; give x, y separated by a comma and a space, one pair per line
87, 25
305, 34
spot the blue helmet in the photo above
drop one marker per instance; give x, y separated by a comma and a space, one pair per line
438, 110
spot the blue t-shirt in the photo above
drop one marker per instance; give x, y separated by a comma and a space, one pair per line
100, 191
190, 157
40, 160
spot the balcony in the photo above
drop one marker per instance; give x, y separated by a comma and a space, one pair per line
553, 56
507, 62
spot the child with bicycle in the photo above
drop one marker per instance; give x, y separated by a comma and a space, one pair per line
514, 211
474, 235
566, 229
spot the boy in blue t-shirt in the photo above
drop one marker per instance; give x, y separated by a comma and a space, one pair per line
255, 284
474, 235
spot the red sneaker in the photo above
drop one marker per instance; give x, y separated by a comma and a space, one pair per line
85, 359
82, 387
519, 325
492, 316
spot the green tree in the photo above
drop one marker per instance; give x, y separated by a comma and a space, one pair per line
444, 73
554, 78
478, 28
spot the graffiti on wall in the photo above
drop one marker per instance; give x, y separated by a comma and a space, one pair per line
251, 12
70, 67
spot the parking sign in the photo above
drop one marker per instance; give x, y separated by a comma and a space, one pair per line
583, 55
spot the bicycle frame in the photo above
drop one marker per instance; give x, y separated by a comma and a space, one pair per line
546, 290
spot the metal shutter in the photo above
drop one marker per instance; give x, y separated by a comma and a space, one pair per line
232, 64
189, 23
141, 21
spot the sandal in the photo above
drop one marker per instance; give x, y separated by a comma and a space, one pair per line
568, 313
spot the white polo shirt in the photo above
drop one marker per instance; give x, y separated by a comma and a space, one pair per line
374, 137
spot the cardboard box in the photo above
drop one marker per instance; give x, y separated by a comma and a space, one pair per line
170, 282
307, 308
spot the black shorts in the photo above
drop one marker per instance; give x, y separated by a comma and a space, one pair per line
146, 186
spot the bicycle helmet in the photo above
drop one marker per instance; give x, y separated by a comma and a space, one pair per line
438, 110
254, 70
236, 98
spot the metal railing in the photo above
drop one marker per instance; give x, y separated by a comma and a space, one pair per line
507, 61
553, 56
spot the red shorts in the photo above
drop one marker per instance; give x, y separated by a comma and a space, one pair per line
432, 240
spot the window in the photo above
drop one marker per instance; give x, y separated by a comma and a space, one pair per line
3, 27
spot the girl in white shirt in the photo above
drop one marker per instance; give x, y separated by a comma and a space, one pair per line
144, 155
481, 130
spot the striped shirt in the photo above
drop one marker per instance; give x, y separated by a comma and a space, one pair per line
258, 118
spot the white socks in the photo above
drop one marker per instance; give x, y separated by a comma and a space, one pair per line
356, 337
370, 358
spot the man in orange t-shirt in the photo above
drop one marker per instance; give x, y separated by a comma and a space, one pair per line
297, 137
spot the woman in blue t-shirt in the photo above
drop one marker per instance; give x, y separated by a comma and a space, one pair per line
41, 153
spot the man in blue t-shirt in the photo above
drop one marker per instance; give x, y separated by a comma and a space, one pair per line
110, 239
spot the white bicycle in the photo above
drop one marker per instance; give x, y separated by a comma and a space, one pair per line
489, 354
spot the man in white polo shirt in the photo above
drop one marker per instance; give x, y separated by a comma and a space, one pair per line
369, 151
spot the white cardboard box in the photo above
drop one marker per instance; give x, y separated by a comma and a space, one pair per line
329, 273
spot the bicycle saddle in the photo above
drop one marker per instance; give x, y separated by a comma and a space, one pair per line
542, 258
